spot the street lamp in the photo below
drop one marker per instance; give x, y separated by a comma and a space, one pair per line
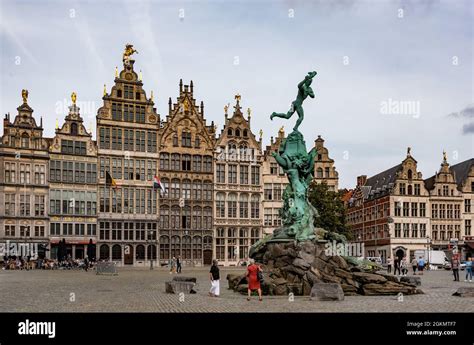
150, 253
428, 245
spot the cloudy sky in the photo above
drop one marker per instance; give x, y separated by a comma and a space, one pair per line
391, 74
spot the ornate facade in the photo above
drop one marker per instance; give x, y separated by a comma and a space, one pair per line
24, 178
73, 186
127, 130
186, 145
324, 169
238, 188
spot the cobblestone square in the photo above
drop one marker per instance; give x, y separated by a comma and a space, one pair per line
142, 290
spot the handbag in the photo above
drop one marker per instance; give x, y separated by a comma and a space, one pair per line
260, 276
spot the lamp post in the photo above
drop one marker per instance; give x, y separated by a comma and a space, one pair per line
428, 245
150, 254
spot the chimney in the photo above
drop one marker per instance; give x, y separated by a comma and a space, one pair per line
191, 86
180, 86
361, 180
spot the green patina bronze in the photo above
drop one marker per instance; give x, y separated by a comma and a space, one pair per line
297, 213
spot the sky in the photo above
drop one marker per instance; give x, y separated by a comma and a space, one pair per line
391, 74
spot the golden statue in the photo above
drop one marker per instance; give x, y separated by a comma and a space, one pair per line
24, 95
140, 76
105, 90
282, 129
129, 51
186, 104
151, 95
226, 108
73, 97
237, 97
116, 72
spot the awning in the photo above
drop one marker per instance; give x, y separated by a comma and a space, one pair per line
469, 244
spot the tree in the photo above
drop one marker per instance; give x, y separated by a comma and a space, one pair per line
331, 210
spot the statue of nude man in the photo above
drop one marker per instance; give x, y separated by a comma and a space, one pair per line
304, 90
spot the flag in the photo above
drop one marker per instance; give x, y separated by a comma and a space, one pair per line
157, 184
110, 181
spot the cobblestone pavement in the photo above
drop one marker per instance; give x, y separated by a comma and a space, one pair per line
141, 290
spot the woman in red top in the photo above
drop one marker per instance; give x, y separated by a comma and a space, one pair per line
254, 283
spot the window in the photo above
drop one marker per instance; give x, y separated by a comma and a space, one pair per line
164, 217
39, 205
140, 141
186, 139
467, 205
417, 189
55, 229
414, 230
402, 188
326, 172
197, 218
197, 190
220, 173
434, 211
244, 206
232, 173
128, 91
151, 146
128, 140
24, 205
406, 209
398, 229
80, 172
232, 206
414, 209
207, 164
9, 204
277, 191
116, 111
164, 161
207, 218
175, 162
267, 217
197, 142
255, 175
117, 139
422, 209
268, 191
186, 163
186, 218
467, 227
406, 230
140, 114
25, 174
128, 113
186, 189
423, 230
196, 163
244, 174
175, 189
207, 190
255, 206
445, 190
10, 172
276, 217
273, 168
410, 189
175, 140
410, 174
220, 205
104, 138
91, 176
397, 208
40, 174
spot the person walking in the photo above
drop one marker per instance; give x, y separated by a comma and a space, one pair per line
455, 263
215, 279
404, 266
178, 264
253, 279
86, 264
396, 266
421, 265
172, 265
389, 265
469, 269
414, 265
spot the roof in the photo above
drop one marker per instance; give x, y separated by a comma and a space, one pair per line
460, 170
381, 181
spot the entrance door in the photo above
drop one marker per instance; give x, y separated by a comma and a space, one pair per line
207, 260
400, 253
128, 255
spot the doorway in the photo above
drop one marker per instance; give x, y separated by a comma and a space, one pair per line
128, 255
207, 260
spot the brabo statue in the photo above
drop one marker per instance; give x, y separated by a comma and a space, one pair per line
304, 90
297, 213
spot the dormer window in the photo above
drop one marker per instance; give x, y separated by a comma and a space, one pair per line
410, 174
245, 133
230, 132
119, 93
237, 132
74, 129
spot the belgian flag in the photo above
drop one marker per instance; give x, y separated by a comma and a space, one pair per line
109, 180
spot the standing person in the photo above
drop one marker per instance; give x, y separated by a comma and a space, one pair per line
389, 265
252, 277
404, 266
215, 280
396, 266
86, 264
178, 264
455, 263
469, 269
421, 265
414, 265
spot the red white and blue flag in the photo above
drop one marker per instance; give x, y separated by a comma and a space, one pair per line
157, 184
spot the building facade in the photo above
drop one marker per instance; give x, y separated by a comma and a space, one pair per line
324, 169
73, 196
24, 178
389, 212
237, 188
186, 145
127, 131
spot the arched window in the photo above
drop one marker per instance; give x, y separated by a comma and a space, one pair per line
244, 206
74, 131
174, 190
186, 194
175, 162
245, 133
116, 252
175, 246
186, 247
151, 252
166, 183
186, 139
319, 173
197, 247
255, 206
197, 190
237, 132
410, 189
197, 217
164, 217
207, 242
175, 222
25, 141
207, 218
232, 205
175, 140
230, 132
140, 252
164, 161
164, 247
410, 174
220, 205
104, 252
197, 142
186, 218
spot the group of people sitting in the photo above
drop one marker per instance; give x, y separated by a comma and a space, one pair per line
26, 263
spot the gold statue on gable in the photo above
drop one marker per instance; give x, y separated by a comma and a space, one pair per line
73, 97
24, 95
129, 51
